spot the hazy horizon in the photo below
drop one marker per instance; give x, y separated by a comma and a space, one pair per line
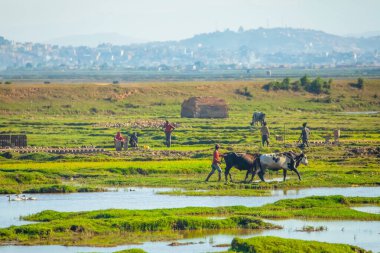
146, 20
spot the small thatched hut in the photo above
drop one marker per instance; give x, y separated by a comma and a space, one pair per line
204, 107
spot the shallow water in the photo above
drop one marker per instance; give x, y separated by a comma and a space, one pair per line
146, 198
368, 209
365, 234
362, 234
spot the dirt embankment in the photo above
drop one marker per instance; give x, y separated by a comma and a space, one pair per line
140, 124
364, 151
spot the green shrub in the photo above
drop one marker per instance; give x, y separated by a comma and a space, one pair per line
33, 231
93, 110
317, 86
9, 154
359, 84
245, 92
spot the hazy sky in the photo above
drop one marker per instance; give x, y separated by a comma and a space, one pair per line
41, 20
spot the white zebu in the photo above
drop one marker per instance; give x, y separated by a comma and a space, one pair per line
277, 161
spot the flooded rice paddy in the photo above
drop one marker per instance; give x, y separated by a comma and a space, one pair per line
361, 233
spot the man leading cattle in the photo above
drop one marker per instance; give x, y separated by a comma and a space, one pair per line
215, 164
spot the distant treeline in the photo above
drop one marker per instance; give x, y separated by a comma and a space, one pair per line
305, 83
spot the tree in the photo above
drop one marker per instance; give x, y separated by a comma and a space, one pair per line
316, 85
305, 80
296, 86
360, 83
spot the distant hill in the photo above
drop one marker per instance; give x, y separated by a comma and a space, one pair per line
260, 48
289, 40
93, 40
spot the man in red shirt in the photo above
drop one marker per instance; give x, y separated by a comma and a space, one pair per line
215, 164
168, 128
119, 141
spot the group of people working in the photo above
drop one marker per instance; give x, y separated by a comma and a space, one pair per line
305, 133
121, 141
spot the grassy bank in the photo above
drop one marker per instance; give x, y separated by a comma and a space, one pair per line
328, 167
72, 115
112, 227
271, 244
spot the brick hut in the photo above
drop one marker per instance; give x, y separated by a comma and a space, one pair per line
204, 107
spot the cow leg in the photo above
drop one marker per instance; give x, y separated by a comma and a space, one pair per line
253, 173
230, 177
227, 172
246, 176
298, 174
254, 169
284, 173
261, 175
259, 171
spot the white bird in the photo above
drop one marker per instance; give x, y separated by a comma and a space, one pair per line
17, 198
24, 197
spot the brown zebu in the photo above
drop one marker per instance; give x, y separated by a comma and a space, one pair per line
241, 162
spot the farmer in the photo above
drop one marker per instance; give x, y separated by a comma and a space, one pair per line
133, 140
336, 136
305, 132
264, 134
215, 164
119, 141
168, 128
